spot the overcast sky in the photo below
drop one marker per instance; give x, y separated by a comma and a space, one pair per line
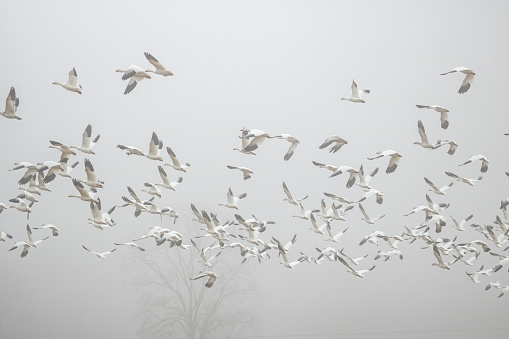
281, 67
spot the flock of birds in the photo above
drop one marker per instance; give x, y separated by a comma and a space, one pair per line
249, 235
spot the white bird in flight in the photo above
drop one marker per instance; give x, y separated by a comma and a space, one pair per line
356, 94
393, 163
72, 83
294, 142
246, 172
159, 67
11, 105
135, 74
469, 78
101, 255
86, 142
482, 158
444, 119
207, 274
333, 139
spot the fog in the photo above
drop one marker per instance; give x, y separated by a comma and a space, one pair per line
280, 67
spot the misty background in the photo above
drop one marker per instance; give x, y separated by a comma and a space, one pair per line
280, 67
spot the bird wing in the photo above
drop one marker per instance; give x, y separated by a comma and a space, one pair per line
363, 211
89, 170
134, 195
290, 151
163, 175
132, 83
422, 132
73, 78
465, 86
287, 192
87, 134
173, 157
154, 145
10, 102
355, 90
154, 62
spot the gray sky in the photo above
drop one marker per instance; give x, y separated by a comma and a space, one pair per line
281, 67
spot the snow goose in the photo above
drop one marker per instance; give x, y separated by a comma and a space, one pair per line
22, 206
204, 260
393, 163
424, 143
31, 169
444, 119
86, 142
289, 197
359, 273
137, 203
27, 244
435, 189
245, 142
40, 182
67, 169
365, 180
25, 195
379, 195
84, 194
131, 150
171, 213
482, 158
258, 138
91, 178
388, 255
130, 244
294, 142
440, 263
66, 150
465, 85
53, 228
334, 238
493, 284
469, 261
354, 261
152, 189
207, 274
72, 83
97, 217
4, 236
338, 198
465, 180
246, 172
175, 162
333, 139
53, 168
285, 261
356, 94
315, 227
159, 67
232, 200
504, 290
367, 218
166, 182
452, 145
11, 105
135, 74
286, 247
101, 255
461, 225
154, 148
352, 171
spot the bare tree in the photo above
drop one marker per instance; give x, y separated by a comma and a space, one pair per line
173, 306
